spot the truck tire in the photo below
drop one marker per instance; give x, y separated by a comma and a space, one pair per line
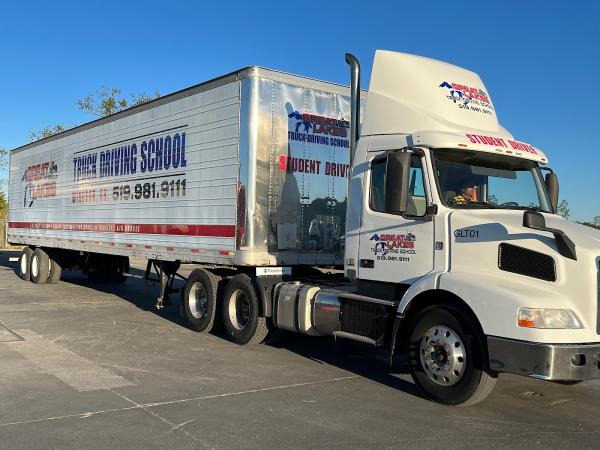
240, 312
40, 266
199, 300
55, 271
448, 357
23, 269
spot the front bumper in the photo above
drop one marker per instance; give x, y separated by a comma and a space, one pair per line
545, 361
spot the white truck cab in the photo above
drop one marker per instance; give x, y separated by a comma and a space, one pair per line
453, 216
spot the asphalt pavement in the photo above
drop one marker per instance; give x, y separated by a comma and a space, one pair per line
89, 365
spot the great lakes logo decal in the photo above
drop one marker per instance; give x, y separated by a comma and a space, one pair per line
316, 129
40, 182
326, 132
468, 98
391, 246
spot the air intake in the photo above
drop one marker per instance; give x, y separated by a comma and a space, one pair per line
523, 261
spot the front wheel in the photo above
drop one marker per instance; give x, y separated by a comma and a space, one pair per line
447, 357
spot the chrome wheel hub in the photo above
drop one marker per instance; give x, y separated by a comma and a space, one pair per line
443, 355
197, 300
239, 310
34, 266
24, 263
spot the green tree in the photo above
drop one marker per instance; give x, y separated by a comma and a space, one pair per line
563, 210
492, 199
103, 102
3, 158
48, 131
3, 166
3, 206
107, 101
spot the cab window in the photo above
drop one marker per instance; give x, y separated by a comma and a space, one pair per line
417, 204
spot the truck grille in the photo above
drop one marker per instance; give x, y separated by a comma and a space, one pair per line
523, 261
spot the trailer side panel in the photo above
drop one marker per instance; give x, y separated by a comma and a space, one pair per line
161, 183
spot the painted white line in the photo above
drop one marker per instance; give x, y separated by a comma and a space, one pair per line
86, 415
250, 391
174, 427
79, 373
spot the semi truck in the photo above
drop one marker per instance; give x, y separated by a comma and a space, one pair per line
444, 224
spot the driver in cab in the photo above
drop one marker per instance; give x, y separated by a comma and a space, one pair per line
467, 194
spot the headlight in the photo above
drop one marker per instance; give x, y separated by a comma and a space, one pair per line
547, 318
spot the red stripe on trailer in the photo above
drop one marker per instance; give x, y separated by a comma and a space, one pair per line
169, 249
227, 231
148, 246
223, 253
195, 250
129, 245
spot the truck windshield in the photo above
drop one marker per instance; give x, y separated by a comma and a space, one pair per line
470, 179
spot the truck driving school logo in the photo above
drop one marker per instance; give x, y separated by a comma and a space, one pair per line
316, 129
467, 97
40, 182
384, 244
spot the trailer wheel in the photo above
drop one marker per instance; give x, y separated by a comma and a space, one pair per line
199, 300
108, 269
240, 312
447, 357
40, 266
116, 267
55, 271
23, 269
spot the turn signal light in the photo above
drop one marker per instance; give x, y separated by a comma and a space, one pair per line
526, 323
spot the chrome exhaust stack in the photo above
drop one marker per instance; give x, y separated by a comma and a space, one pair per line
352, 61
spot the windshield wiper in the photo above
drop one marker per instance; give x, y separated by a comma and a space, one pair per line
474, 202
524, 208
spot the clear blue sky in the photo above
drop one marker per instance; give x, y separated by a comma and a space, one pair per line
540, 60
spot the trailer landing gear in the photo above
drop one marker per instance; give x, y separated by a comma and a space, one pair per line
165, 272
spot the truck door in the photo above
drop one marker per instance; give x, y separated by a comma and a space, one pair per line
395, 248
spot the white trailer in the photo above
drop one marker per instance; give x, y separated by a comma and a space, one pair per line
247, 169
442, 220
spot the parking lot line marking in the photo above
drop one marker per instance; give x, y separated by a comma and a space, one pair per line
135, 405
174, 427
79, 373
250, 391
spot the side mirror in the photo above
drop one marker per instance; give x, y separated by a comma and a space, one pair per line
552, 186
536, 221
396, 181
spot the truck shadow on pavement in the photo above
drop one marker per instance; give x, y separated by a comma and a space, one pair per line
354, 357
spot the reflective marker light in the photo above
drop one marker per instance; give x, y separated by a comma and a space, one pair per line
547, 318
